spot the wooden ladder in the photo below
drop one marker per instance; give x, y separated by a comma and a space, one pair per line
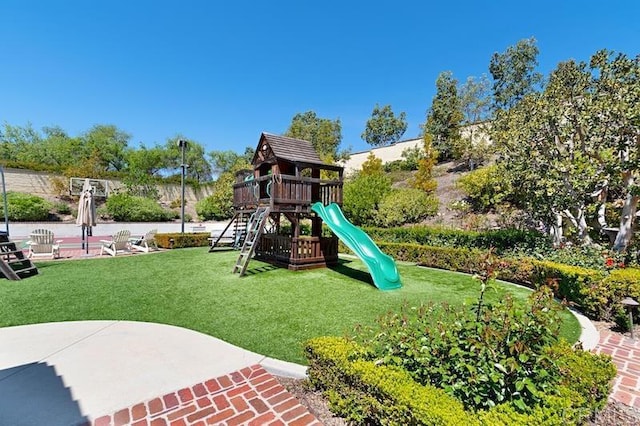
13, 263
254, 231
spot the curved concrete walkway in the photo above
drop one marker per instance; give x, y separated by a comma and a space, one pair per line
124, 372
71, 373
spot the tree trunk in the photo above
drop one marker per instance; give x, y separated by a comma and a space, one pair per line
625, 232
556, 230
580, 222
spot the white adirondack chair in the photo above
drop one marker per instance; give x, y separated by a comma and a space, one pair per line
118, 244
146, 243
43, 244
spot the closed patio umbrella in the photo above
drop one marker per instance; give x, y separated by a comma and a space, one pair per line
86, 212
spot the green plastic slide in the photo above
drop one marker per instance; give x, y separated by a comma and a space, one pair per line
381, 266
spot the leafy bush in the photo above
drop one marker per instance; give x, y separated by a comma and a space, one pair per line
410, 160
583, 256
219, 205
362, 196
25, 207
406, 206
366, 393
587, 289
486, 188
129, 208
502, 240
607, 293
62, 208
485, 357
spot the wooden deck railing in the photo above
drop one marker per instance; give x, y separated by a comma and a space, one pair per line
286, 190
298, 251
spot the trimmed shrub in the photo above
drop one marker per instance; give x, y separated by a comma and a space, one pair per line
129, 208
504, 240
25, 207
366, 393
197, 239
584, 288
406, 206
605, 295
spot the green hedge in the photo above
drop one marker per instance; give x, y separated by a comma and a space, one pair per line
365, 393
511, 240
595, 293
197, 239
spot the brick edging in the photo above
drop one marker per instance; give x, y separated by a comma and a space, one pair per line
250, 396
625, 354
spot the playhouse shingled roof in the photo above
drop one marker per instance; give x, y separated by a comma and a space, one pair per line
291, 149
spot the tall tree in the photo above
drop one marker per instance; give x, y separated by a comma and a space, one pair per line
445, 116
107, 144
475, 100
384, 128
613, 121
143, 167
475, 103
576, 139
18, 142
224, 161
552, 173
60, 150
514, 73
324, 134
199, 169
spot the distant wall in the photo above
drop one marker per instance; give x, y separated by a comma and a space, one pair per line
478, 133
385, 153
40, 184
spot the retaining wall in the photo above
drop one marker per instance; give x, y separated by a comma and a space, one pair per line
41, 184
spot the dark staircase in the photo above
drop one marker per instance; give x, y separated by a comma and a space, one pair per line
254, 231
13, 263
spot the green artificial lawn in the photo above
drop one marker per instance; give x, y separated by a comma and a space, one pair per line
272, 311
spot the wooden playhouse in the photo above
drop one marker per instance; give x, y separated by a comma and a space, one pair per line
287, 177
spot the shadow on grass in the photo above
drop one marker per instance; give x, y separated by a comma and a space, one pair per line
261, 269
355, 274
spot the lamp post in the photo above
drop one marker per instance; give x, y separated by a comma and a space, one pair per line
630, 304
182, 144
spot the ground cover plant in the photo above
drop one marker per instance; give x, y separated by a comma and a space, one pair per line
271, 311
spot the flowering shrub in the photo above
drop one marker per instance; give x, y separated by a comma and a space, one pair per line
492, 354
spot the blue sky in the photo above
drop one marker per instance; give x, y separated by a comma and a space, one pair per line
220, 73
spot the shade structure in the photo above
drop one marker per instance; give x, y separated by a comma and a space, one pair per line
86, 212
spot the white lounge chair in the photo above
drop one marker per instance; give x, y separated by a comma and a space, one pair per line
118, 244
43, 244
145, 243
